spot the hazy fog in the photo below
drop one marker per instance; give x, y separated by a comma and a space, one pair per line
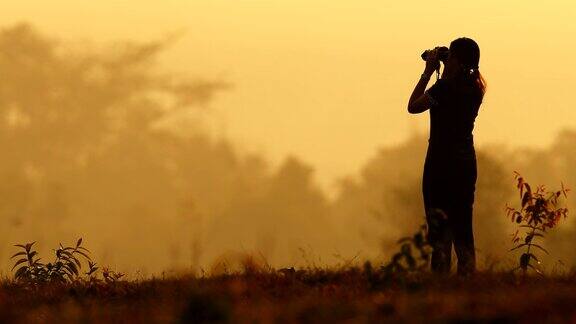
268, 128
329, 80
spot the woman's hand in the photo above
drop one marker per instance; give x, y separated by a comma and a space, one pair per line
432, 62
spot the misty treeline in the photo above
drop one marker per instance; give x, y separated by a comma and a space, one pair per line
98, 143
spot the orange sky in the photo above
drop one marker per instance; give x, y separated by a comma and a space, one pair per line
329, 80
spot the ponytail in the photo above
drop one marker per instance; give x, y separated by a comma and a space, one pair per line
473, 75
479, 81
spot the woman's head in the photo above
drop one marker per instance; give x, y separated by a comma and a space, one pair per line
466, 52
463, 61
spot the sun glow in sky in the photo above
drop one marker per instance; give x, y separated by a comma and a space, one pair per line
329, 81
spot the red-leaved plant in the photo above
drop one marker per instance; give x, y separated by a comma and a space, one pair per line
539, 211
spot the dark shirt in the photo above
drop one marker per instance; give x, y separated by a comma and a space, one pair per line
452, 115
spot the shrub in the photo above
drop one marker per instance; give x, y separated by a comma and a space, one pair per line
539, 211
64, 269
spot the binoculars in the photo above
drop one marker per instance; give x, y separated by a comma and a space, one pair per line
443, 53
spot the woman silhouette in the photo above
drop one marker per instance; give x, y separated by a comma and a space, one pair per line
449, 178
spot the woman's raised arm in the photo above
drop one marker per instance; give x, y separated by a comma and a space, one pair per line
419, 101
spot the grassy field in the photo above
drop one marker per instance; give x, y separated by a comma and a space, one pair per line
307, 296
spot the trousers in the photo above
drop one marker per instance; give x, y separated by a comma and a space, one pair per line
448, 187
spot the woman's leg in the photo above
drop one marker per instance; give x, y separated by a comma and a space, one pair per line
460, 216
461, 225
439, 234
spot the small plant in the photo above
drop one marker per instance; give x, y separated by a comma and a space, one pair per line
405, 261
539, 211
92, 268
64, 269
111, 276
